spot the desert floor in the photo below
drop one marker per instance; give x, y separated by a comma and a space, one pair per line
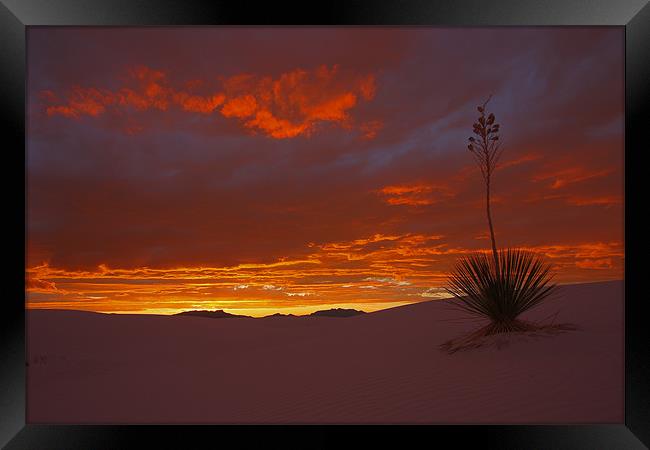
382, 367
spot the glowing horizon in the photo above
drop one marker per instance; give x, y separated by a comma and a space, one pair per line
293, 286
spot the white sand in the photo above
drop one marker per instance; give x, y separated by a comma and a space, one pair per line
383, 367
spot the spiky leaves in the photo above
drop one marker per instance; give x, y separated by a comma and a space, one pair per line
521, 281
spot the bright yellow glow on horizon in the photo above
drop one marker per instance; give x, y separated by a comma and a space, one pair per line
369, 274
261, 312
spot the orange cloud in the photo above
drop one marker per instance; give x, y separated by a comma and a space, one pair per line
598, 264
36, 285
241, 107
292, 105
83, 101
606, 200
274, 127
576, 200
296, 102
196, 103
564, 177
521, 160
582, 252
370, 272
413, 194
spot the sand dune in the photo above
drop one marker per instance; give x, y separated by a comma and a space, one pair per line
382, 367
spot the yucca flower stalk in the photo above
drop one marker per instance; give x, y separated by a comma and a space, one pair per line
486, 150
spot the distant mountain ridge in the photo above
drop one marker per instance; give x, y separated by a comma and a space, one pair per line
217, 314
221, 314
337, 312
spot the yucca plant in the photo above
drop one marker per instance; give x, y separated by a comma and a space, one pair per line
503, 285
501, 294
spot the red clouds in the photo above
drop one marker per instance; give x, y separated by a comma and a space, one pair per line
240, 107
296, 102
198, 104
598, 264
80, 101
606, 200
570, 175
149, 92
293, 104
370, 272
37, 285
420, 194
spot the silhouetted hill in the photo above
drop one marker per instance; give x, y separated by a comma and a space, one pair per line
218, 314
337, 312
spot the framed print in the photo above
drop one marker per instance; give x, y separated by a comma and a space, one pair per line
364, 221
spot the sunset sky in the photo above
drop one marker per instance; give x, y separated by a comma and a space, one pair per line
263, 170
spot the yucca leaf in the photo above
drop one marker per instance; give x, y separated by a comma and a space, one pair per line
523, 281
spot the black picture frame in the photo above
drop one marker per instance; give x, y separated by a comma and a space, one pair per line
17, 15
